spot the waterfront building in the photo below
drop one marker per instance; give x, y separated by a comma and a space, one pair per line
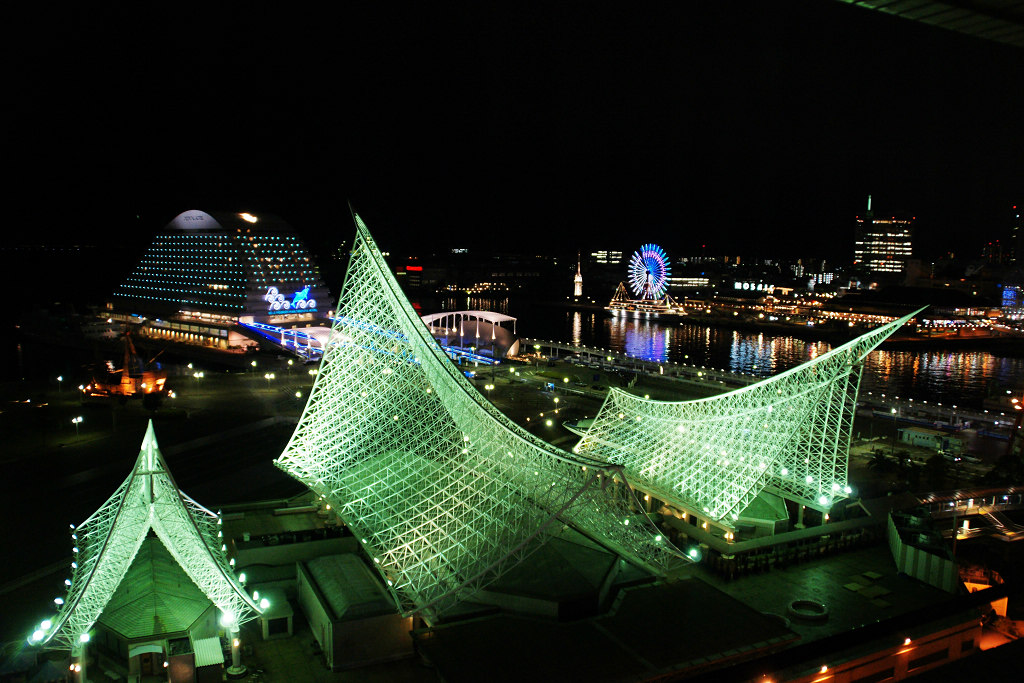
208, 279
882, 245
688, 281
1012, 302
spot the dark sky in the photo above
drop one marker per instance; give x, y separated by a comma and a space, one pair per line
754, 128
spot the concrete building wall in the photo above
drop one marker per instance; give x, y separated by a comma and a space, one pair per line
317, 612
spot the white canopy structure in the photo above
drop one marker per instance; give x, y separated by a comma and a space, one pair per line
467, 323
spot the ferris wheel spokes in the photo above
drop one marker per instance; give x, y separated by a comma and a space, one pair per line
649, 270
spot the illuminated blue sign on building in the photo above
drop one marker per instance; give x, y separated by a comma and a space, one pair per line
279, 303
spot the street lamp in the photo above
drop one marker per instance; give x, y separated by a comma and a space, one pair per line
892, 450
76, 421
268, 376
60, 379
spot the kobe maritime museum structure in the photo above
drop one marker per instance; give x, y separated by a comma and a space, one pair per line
444, 494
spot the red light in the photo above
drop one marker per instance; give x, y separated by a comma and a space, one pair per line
414, 268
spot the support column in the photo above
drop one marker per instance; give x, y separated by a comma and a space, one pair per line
237, 669
799, 518
78, 665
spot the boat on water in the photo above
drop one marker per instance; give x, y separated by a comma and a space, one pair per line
622, 305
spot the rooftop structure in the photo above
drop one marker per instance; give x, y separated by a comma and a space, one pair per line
106, 544
443, 491
789, 434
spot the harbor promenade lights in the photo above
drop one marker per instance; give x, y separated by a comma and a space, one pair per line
76, 421
444, 492
105, 545
789, 434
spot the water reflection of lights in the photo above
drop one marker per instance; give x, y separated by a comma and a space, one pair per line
964, 378
957, 377
474, 303
942, 375
641, 338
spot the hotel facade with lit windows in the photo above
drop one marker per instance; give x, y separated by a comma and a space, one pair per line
221, 281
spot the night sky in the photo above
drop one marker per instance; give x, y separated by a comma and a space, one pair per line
753, 128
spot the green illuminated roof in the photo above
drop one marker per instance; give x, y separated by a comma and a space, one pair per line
442, 490
156, 596
789, 434
105, 547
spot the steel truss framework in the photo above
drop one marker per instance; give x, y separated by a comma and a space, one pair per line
443, 490
106, 544
789, 434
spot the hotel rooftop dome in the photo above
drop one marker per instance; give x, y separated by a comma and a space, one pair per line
226, 267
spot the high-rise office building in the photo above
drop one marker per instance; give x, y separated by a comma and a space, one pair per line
606, 256
1015, 248
882, 244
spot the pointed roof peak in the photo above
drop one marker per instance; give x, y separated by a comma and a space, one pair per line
107, 542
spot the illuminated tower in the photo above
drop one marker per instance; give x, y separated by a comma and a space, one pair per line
577, 282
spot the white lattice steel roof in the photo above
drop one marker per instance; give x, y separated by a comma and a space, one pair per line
789, 433
443, 491
107, 542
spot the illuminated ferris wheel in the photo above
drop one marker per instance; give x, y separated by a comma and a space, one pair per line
648, 272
